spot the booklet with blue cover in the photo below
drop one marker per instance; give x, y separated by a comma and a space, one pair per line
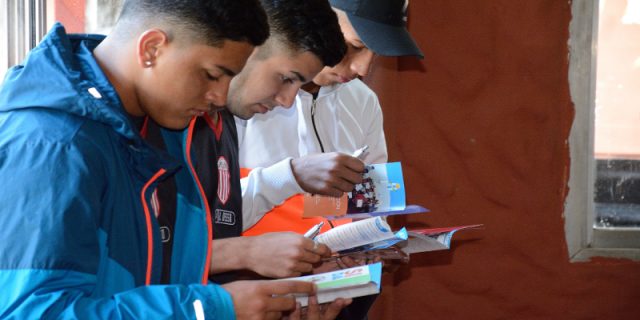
381, 193
368, 234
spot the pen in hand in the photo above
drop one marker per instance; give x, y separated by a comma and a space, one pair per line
360, 153
314, 231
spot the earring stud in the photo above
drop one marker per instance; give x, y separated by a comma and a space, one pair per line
148, 63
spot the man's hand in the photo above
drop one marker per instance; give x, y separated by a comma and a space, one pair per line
338, 263
314, 311
283, 254
329, 174
265, 299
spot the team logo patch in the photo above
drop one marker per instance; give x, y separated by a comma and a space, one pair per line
155, 203
165, 234
224, 180
225, 217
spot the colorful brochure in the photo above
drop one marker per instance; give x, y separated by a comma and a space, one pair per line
367, 234
381, 193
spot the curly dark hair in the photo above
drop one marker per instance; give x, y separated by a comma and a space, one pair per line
210, 20
307, 25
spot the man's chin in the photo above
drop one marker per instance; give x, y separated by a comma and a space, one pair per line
240, 113
243, 116
174, 125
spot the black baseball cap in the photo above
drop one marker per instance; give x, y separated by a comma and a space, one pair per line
381, 24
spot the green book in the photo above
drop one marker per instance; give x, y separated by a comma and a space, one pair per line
346, 283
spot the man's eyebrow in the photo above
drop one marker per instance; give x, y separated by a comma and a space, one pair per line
300, 77
226, 70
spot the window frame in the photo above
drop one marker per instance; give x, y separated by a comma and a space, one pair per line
25, 24
584, 240
4, 43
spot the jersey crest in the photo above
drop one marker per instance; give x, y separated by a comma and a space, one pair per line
224, 180
225, 217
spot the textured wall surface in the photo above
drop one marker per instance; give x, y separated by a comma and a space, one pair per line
481, 127
71, 13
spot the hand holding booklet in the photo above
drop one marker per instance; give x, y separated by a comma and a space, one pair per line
346, 283
381, 193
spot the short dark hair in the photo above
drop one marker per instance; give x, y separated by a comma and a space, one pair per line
307, 25
212, 21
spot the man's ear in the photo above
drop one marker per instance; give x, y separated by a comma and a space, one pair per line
149, 45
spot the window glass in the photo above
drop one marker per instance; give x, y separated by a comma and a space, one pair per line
617, 115
4, 59
22, 25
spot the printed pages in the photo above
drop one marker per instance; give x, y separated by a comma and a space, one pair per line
372, 237
424, 240
367, 234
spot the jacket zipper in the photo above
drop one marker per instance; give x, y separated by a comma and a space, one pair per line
147, 216
313, 122
207, 263
315, 130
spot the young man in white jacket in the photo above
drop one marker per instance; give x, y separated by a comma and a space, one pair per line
306, 147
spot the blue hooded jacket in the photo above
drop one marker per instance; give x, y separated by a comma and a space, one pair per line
79, 239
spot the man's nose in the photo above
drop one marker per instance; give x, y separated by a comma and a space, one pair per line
286, 96
362, 63
217, 94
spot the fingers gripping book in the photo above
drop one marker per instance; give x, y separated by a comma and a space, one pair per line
345, 283
381, 193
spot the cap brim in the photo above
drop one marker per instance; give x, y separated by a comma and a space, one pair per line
383, 39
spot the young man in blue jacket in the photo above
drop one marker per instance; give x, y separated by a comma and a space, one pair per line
79, 238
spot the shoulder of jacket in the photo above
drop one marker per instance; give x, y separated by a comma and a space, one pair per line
357, 89
356, 94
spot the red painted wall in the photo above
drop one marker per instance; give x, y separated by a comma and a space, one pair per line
71, 13
481, 127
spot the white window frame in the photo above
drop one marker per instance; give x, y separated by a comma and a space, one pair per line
3, 41
24, 24
584, 241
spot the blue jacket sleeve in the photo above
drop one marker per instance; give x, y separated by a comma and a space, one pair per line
60, 294
53, 196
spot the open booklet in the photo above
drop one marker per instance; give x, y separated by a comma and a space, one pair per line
381, 193
345, 283
362, 235
423, 240
373, 236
